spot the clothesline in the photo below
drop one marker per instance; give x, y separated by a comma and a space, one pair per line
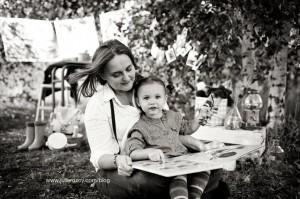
71, 38
31, 40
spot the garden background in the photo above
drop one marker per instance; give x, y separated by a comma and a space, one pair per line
248, 43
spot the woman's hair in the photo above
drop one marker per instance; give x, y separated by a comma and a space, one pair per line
147, 80
105, 52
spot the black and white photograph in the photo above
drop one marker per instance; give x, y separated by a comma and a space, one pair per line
143, 99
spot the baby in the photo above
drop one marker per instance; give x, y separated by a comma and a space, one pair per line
156, 134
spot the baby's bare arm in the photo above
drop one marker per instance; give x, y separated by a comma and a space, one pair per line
192, 143
148, 154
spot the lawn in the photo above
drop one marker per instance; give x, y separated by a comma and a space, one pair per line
26, 174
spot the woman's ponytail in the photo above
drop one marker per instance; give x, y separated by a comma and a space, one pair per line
89, 85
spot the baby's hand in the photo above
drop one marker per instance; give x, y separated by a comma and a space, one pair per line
156, 155
205, 111
200, 145
214, 145
203, 116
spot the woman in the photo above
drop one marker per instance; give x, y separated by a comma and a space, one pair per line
113, 66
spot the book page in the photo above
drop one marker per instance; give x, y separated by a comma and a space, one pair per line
196, 162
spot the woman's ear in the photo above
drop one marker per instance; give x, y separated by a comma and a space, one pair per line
103, 76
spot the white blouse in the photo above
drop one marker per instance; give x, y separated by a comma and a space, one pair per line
98, 123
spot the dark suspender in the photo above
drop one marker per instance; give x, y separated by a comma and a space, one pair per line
112, 110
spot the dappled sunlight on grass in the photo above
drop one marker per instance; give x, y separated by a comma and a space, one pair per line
26, 173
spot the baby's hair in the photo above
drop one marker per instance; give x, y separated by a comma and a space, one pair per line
147, 80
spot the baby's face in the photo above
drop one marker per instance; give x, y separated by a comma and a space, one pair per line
151, 99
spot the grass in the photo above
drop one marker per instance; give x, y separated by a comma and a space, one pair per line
26, 174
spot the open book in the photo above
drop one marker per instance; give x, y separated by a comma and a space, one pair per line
196, 162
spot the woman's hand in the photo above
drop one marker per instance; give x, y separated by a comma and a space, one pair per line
156, 155
124, 165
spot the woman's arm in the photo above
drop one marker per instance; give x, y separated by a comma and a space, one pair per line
99, 135
107, 161
121, 162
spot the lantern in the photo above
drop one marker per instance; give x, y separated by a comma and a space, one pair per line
252, 105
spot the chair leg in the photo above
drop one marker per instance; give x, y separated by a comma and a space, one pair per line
43, 111
39, 104
41, 107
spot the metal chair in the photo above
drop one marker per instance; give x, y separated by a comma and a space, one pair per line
50, 85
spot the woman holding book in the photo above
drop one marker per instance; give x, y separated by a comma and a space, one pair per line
110, 113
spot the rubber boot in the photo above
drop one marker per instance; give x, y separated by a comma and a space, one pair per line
39, 138
29, 136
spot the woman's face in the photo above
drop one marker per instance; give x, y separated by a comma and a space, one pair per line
119, 73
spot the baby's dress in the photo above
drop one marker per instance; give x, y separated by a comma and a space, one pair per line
162, 133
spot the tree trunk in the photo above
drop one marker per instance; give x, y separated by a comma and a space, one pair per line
277, 83
248, 65
249, 72
248, 57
